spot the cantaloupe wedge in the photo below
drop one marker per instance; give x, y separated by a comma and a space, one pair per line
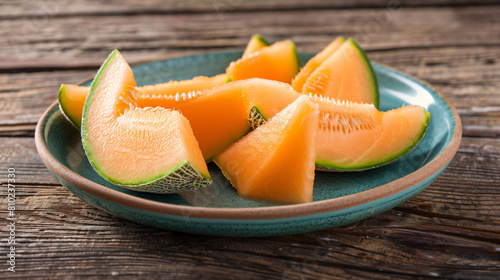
72, 97
144, 149
313, 63
351, 136
275, 162
354, 137
256, 43
71, 101
279, 62
346, 75
218, 117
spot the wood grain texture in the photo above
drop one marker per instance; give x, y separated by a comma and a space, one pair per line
37, 45
65, 8
449, 231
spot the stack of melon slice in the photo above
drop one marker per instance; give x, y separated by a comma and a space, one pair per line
266, 123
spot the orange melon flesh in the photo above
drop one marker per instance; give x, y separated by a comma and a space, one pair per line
357, 136
346, 75
145, 149
173, 87
279, 62
275, 162
71, 101
270, 96
218, 117
72, 97
299, 80
256, 43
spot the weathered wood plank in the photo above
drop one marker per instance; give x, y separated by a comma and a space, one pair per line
77, 42
23, 97
64, 8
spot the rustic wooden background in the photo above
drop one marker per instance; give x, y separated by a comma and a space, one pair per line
451, 230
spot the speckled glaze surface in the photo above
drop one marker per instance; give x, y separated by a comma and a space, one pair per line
339, 198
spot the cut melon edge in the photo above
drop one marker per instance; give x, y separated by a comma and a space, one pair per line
373, 78
260, 39
60, 96
83, 127
329, 167
297, 56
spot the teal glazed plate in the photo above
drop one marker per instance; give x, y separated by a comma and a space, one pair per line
339, 198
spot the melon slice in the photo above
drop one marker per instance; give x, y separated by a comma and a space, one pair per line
144, 149
275, 162
71, 101
279, 62
256, 43
313, 63
346, 75
351, 136
218, 117
355, 137
72, 97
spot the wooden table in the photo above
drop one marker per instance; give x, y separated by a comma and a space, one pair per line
451, 230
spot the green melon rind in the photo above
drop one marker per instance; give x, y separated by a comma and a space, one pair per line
255, 118
197, 179
329, 167
373, 78
227, 80
261, 42
297, 57
259, 39
83, 128
62, 92
184, 177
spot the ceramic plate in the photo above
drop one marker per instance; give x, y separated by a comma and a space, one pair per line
339, 198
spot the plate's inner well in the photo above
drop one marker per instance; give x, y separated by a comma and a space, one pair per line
64, 143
